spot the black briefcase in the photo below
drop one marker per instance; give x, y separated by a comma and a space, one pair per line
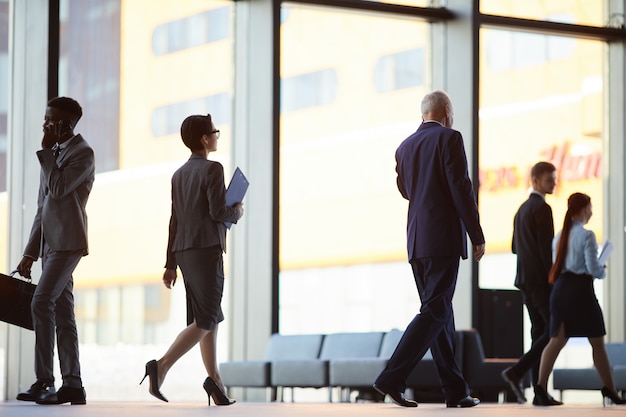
16, 295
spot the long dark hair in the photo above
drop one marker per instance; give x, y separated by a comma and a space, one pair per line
575, 203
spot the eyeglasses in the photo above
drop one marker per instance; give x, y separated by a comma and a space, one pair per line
216, 131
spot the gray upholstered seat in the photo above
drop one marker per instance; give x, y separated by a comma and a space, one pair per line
314, 372
619, 375
360, 372
588, 378
576, 378
251, 374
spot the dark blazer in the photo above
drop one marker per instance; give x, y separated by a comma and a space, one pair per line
432, 175
64, 187
199, 208
533, 231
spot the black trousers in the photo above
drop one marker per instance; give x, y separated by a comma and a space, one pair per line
433, 327
538, 306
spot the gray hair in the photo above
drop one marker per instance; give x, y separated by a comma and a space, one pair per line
436, 100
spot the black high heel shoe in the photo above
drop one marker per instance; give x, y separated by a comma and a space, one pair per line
212, 390
612, 396
543, 398
152, 371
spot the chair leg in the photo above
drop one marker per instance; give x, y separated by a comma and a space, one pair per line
273, 393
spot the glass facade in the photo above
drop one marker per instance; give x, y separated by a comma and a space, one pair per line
342, 220
591, 13
544, 101
350, 87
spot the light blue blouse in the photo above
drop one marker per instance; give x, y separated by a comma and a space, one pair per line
582, 252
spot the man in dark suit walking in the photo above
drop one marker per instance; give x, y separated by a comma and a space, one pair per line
533, 231
59, 237
432, 175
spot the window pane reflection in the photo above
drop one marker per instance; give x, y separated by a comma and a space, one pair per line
342, 219
590, 13
138, 70
545, 104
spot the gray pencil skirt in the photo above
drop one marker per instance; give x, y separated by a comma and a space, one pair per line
203, 274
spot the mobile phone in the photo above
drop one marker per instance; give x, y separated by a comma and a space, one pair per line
62, 126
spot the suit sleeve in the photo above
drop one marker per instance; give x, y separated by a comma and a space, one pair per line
460, 187
33, 246
170, 260
399, 179
545, 235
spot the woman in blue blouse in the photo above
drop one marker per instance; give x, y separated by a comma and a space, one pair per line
574, 308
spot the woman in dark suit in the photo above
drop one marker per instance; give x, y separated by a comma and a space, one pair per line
197, 239
574, 308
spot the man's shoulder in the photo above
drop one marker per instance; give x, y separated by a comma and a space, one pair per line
533, 207
79, 142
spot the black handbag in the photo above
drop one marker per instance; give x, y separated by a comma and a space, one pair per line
16, 294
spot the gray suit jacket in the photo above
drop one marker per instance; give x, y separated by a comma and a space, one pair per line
199, 208
64, 187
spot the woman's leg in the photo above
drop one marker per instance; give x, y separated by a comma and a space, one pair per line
549, 355
182, 344
208, 349
601, 362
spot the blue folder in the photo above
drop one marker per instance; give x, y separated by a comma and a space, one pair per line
236, 190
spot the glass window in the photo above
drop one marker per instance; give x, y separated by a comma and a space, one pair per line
403, 69
166, 119
195, 30
135, 96
590, 13
308, 90
542, 105
507, 51
342, 219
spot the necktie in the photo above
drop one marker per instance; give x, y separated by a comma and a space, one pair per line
56, 149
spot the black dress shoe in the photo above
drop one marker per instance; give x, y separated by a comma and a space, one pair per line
396, 396
463, 402
74, 396
515, 383
543, 398
213, 390
152, 372
36, 391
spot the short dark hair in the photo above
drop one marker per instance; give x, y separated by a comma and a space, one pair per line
541, 168
192, 129
69, 106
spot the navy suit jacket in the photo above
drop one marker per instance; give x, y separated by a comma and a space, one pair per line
64, 187
199, 208
432, 175
533, 230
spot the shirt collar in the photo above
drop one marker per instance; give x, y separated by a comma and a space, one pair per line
543, 197
433, 121
66, 143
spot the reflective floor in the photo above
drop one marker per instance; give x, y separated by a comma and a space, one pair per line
102, 409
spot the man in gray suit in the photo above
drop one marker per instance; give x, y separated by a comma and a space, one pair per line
59, 237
